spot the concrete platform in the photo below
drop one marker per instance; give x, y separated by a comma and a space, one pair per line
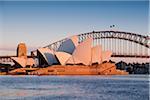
98, 69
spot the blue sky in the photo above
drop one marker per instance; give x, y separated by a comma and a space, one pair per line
39, 23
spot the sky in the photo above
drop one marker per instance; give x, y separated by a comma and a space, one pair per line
39, 23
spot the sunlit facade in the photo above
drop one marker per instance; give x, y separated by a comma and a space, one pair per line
21, 60
70, 52
71, 58
46, 56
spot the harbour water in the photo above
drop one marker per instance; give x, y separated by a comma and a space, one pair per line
130, 87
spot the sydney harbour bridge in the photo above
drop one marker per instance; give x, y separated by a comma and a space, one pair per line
122, 44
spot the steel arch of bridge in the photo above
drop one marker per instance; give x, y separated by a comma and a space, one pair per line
132, 37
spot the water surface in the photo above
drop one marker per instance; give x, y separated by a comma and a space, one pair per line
132, 87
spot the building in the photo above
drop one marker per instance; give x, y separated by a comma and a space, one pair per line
21, 50
70, 52
71, 58
22, 60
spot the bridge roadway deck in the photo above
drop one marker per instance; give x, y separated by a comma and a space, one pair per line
136, 56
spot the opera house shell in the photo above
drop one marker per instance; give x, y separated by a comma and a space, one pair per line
70, 52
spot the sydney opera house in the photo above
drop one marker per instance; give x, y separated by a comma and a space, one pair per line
71, 58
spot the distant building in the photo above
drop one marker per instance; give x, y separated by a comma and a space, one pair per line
21, 50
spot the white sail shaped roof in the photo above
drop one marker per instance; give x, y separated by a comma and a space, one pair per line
23, 61
106, 55
83, 52
48, 55
69, 45
75, 40
62, 57
20, 60
96, 54
73, 60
